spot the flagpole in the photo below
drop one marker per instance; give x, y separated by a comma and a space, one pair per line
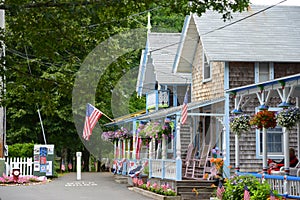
102, 113
107, 117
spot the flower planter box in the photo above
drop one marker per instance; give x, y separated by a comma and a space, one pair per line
153, 195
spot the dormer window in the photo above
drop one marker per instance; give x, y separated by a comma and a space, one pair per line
264, 71
206, 69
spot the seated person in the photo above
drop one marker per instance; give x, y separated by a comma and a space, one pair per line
277, 165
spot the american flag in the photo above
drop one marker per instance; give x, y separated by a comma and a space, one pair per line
272, 196
91, 118
220, 191
63, 168
70, 165
184, 108
246, 193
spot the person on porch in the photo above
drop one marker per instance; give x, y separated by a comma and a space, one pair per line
273, 165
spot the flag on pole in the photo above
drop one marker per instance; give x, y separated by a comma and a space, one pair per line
91, 118
63, 168
70, 166
220, 190
184, 108
246, 193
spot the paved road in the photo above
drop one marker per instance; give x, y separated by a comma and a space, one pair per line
92, 186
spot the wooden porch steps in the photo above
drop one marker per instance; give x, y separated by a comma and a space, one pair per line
205, 191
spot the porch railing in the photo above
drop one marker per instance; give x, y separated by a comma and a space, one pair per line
287, 186
164, 169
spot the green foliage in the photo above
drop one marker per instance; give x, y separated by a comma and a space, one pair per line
20, 150
46, 43
234, 188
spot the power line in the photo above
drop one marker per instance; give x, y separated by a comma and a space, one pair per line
222, 27
242, 19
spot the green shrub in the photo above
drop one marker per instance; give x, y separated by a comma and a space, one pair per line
234, 188
21, 150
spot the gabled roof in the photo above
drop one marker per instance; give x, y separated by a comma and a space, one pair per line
157, 62
269, 36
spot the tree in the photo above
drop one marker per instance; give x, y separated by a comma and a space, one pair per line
46, 43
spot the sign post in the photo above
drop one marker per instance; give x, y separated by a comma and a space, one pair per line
78, 166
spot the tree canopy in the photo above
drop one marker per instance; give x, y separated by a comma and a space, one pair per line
46, 43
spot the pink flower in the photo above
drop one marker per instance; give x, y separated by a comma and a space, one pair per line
140, 182
155, 186
148, 184
135, 180
164, 187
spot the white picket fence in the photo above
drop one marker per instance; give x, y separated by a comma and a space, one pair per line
24, 164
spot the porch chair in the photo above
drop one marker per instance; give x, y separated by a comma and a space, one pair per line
188, 161
204, 161
294, 171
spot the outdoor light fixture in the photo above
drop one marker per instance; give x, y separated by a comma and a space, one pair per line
237, 111
263, 107
284, 105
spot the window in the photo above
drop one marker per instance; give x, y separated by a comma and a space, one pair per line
274, 141
206, 69
264, 71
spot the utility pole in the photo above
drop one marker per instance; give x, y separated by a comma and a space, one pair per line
2, 90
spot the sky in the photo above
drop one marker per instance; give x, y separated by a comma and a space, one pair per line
271, 2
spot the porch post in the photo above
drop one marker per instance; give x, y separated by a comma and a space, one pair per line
151, 149
164, 149
115, 149
286, 151
123, 148
264, 148
120, 149
178, 154
237, 153
133, 156
178, 142
128, 148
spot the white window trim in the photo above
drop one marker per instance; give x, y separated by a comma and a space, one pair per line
258, 150
256, 71
203, 71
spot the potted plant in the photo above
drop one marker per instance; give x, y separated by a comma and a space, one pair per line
239, 123
288, 117
235, 186
263, 119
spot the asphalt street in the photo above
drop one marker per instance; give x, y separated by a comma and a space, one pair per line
92, 186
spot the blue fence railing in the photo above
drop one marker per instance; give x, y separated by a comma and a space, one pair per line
287, 186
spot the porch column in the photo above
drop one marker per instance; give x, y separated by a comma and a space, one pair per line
237, 153
178, 142
237, 111
178, 153
134, 135
115, 149
128, 148
151, 146
164, 148
120, 149
264, 148
123, 148
286, 151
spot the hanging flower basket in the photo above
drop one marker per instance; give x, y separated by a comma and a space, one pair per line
108, 136
239, 124
122, 133
288, 117
263, 119
152, 130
